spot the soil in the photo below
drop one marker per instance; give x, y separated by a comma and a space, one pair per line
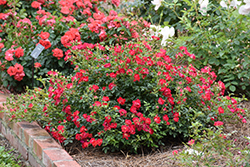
91, 157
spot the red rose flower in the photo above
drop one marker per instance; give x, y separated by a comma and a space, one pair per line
176, 119
111, 85
165, 118
148, 121
175, 152
60, 128
58, 53
30, 105
46, 44
136, 103
19, 76
112, 75
107, 65
136, 77
123, 112
65, 10
220, 110
12, 71
2, 2
218, 123
65, 40
44, 35
128, 122
19, 52
121, 101
105, 98
133, 110
125, 135
37, 65
19, 68
191, 142
97, 103
35, 4
157, 119
161, 101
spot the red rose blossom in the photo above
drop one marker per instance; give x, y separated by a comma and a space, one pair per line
44, 35
121, 101
218, 123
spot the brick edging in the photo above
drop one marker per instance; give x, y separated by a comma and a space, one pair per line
34, 143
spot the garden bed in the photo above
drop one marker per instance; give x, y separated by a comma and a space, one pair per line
157, 157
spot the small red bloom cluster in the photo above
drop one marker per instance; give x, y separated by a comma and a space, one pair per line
58, 53
37, 65
2, 2
70, 36
16, 71
19, 52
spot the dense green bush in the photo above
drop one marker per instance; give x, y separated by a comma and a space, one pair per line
126, 96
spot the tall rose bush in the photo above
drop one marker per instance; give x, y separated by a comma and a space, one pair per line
55, 25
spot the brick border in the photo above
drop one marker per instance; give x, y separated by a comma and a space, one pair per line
34, 143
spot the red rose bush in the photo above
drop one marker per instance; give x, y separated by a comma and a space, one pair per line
55, 25
126, 97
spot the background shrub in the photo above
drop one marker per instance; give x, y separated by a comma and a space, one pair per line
219, 37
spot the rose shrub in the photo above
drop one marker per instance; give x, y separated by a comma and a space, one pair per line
55, 25
126, 97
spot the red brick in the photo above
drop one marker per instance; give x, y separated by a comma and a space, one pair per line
23, 151
46, 160
33, 161
30, 134
40, 144
27, 125
55, 155
16, 130
8, 134
66, 164
11, 124
13, 141
3, 130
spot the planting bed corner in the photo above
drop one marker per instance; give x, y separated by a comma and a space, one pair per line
34, 143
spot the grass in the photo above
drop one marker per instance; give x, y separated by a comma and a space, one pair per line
7, 159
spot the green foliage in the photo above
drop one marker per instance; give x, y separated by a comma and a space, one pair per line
211, 146
6, 158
